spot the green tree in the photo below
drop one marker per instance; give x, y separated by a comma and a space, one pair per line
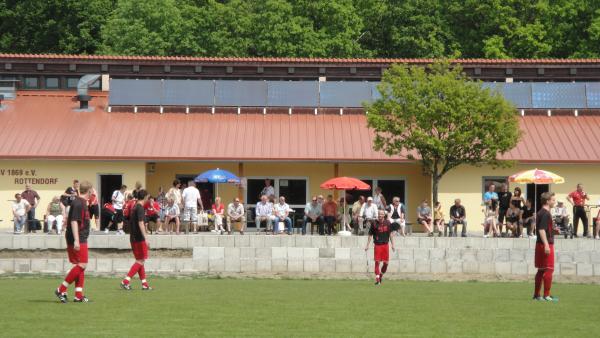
52, 26
443, 116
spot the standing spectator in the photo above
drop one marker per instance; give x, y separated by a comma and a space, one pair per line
528, 216
378, 199
514, 221
32, 197
20, 208
356, 219
163, 202
191, 199
517, 199
282, 212
268, 190
504, 198
343, 217
136, 190
397, 215
55, 212
491, 217
151, 212
458, 215
329, 215
218, 210
70, 194
438, 218
94, 208
368, 213
424, 217
236, 214
172, 215
118, 203
264, 213
490, 194
577, 198
174, 194
313, 214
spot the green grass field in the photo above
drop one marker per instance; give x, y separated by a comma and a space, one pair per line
232, 307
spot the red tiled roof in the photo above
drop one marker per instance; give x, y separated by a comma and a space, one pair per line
285, 60
44, 125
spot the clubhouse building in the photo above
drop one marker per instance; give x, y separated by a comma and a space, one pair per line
295, 121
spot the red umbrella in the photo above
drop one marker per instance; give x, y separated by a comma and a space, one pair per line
345, 183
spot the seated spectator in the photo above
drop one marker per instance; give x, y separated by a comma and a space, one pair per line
107, 217
172, 215
438, 218
282, 214
20, 207
55, 212
152, 210
236, 214
397, 214
356, 219
528, 216
313, 213
491, 217
514, 221
424, 217
369, 213
329, 215
458, 216
264, 214
559, 214
218, 210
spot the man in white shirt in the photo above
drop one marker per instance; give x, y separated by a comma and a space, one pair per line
20, 208
368, 213
559, 214
396, 214
118, 202
191, 200
282, 212
236, 214
264, 213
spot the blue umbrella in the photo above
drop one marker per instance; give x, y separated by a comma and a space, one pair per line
217, 176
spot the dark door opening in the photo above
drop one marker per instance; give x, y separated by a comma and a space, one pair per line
206, 190
534, 194
108, 184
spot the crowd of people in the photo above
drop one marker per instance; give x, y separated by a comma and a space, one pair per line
182, 209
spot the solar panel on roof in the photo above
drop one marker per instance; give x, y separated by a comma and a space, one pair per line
292, 93
188, 93
241, 93
558, 95
517, 93
344, 94
127, 92
592, 93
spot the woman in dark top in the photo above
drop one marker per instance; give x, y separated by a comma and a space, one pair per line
517, 200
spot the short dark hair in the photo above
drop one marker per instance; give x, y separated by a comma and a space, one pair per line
176, 182
141, 194
547, 196
123, 186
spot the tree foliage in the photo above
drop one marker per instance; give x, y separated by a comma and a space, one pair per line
443, 116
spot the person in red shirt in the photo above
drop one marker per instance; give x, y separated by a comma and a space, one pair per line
544, 248
137, 237
330, 215
577, 198
94, 208
76, 234
152, 210
127, 210
381, 231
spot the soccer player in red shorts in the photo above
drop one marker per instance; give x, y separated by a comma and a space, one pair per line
544, 248
76, 234
137, 236
381, 231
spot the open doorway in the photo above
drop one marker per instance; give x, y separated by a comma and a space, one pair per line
108, 184
534, 194
206, 189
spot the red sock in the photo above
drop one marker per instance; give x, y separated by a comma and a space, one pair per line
384, 268
134, 269
538, 282
142, 274
377, 268
547, 282
79, 284
70, 278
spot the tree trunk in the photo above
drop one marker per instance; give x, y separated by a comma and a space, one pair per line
435, 181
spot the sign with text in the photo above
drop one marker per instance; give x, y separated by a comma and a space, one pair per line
27, 176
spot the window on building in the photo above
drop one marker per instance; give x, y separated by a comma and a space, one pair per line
495, 180
254, 189
534, 193
294, 190
52, 83
72, 82
353, 195
31, 82
392, 188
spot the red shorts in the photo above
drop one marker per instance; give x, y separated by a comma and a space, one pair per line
76, 257
140, 250
543, 261
382, 252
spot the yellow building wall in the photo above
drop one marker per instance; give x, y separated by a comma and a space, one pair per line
56, 177
466, 183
